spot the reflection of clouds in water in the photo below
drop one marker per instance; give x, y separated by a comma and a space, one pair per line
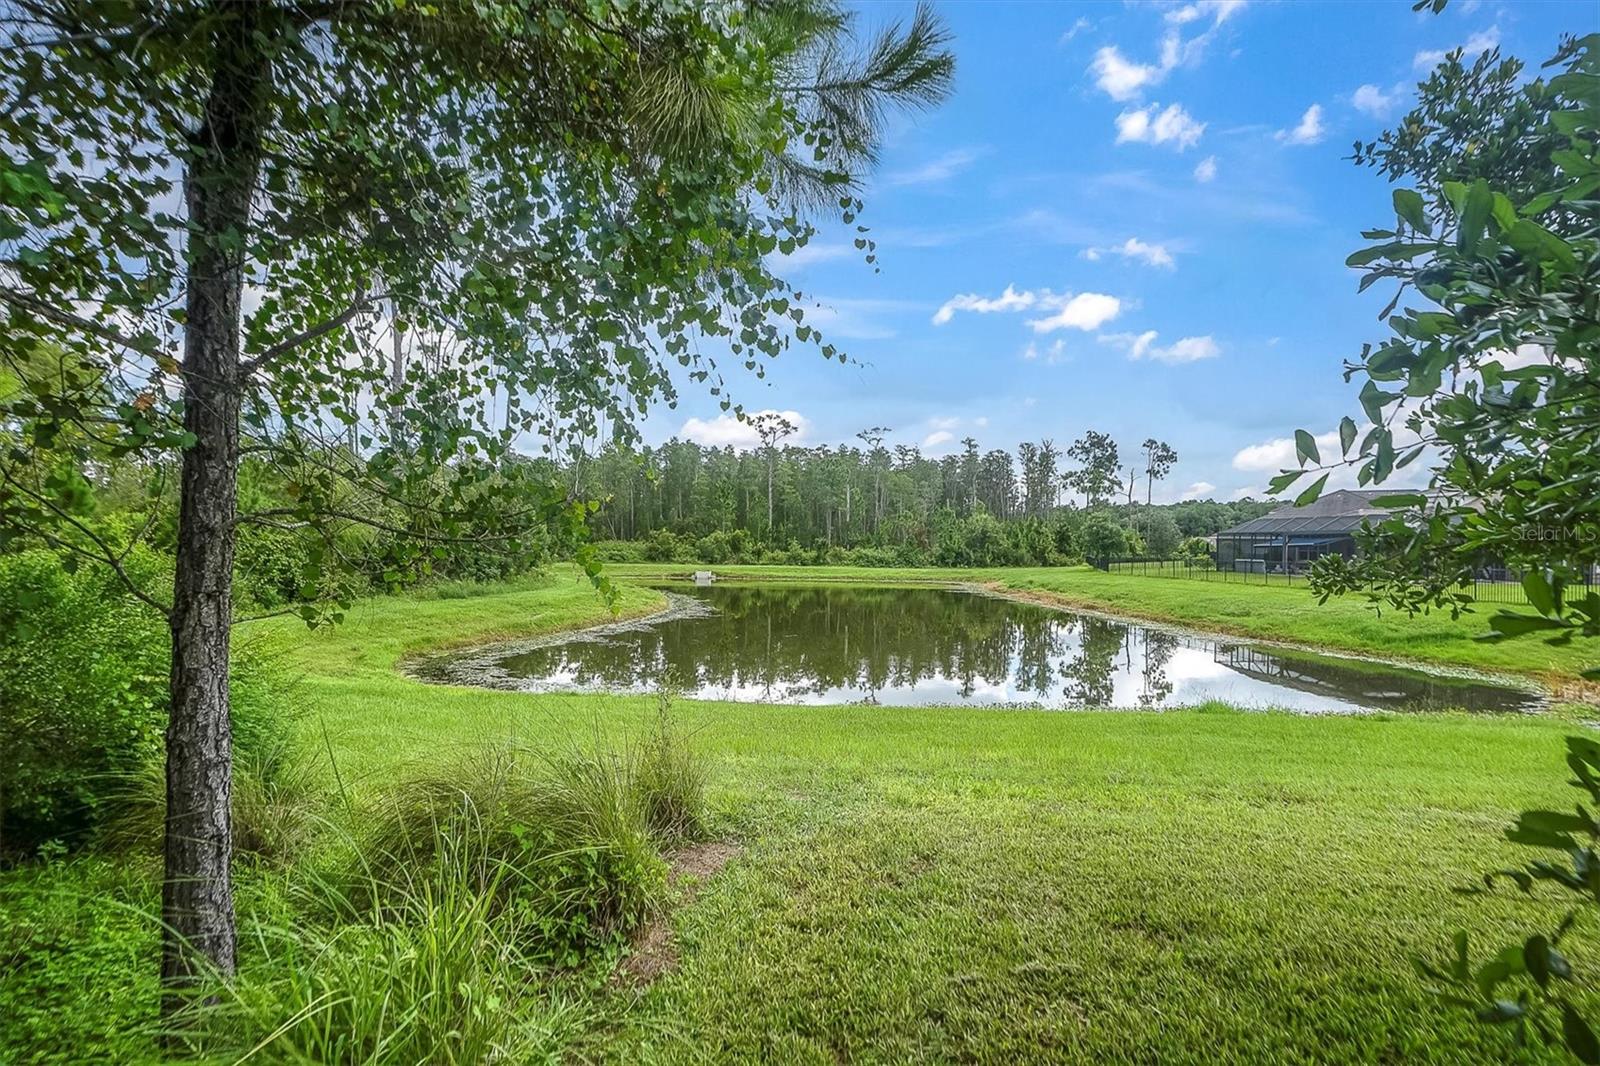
832, 645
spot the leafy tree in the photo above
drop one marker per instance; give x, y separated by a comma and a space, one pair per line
1162, 535
1103, 537
771, 428
1159, 459
1097, 475
211, 212
1494, 373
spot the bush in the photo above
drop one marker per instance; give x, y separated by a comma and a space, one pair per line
83, 689
1103, 537
619, 551
271, 565
83, 696
663, 546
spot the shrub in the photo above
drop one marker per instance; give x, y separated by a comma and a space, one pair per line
83, 696
271, 565
663, 546
83, 687
619, 551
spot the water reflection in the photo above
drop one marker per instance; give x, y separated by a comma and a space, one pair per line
840, 644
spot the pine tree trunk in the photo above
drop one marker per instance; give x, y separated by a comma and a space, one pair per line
197, 890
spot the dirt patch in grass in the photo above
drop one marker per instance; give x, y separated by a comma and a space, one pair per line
654, 953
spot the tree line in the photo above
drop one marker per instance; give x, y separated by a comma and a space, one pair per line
1084, 499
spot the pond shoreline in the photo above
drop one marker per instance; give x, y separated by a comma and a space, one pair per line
480, 665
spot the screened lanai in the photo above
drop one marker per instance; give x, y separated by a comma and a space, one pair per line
1288, 540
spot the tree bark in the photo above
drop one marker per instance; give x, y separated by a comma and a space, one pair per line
219, 184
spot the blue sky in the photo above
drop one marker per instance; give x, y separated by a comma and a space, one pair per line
1163, 188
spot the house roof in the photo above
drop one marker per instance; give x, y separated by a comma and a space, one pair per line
1337, 513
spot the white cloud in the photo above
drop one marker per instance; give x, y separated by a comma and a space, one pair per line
1150, 125
1121, 78
1310, 129
1143, 346
1155, 255
1206, 169
1053, 353
1246, 493
945, 167
1219, 10
1010, 300
1075, 29
933, 440
726, 430
1471, 48
944, 423
981, 422
1198, 490
1085, 311
1371, 100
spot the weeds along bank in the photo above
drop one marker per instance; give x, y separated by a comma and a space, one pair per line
917, 883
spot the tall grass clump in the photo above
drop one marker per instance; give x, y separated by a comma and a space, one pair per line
438, 974
566, 846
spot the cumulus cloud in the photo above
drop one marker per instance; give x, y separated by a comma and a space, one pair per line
1010, 300
1198, 490
728, 430
1206, 169
1138, 346
1371, 100
1471, 48
1085, 311
1310, 129
1125, 79
1119, 77
941, 169
938, 437
1155, 255
1151, 125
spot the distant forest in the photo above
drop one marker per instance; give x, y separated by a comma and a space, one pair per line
877, 504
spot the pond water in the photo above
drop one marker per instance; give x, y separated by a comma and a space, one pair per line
919, 645
914, 646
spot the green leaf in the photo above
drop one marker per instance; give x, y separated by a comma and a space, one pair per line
1310, 495
1539, 592
1474, 216
1347, 434
1580, 1039
1305, 447
1401, 499
1409, 206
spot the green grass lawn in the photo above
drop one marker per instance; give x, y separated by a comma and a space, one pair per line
1019, 885
985, 885
1270, 612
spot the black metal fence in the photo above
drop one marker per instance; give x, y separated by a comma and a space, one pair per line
1491, 585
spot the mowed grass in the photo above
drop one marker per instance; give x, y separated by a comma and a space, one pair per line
1014, 886
1269, 612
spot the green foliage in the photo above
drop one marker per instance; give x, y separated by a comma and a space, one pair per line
1494, 373
1529, 987
1103, 536
83, 697
1162, 536
83, 688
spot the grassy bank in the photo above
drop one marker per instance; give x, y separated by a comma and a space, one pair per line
1268, 612
943, 884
